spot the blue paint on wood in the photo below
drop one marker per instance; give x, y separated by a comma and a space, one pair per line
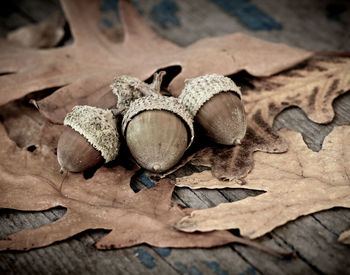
249, 14
106, 22
194, 270
137, 7
55, 219
216, 267
285, 260
184, 269
145, 258
164, 252
146, 181
164, 14
107, 5
249, 271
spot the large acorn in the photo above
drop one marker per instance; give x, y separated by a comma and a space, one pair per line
90, 138
215, 102
158, 130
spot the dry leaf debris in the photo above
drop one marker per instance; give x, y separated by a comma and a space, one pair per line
297, 183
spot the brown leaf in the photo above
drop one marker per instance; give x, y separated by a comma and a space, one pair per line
30, 181
22, 123
297, 183
312, 88
206, 180
27, 128
45, 34
87, 67
344, 237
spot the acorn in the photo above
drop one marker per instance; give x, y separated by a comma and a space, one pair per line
215, 103
90, 138
157, 130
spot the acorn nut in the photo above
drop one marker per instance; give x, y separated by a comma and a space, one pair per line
89, 139
215, 102
158, 130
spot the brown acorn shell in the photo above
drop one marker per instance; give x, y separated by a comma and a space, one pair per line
214, 101
157, 139
223, 118
90, 137
158, 131
84, 156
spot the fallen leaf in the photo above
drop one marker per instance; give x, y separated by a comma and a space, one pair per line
87, 67
45, 34
297, 183
312, 88
344, 237
30, 182
205, 180
22, 122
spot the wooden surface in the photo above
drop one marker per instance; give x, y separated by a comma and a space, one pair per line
318, 25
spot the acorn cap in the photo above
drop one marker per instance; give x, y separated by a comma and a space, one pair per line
199, 90
127, 89
158, 102
98, 126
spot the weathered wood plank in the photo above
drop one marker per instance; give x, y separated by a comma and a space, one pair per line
316, 246
312, 25
335, 220
268, 264
75, 255
221, 260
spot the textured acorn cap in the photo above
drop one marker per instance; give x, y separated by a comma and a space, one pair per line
199, 90
98, 126
126, 88
158, 102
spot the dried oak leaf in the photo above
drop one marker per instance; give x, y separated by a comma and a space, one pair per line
31, 182
22, 122
297, 183
312, 88
87, 67
344, 237
45, 34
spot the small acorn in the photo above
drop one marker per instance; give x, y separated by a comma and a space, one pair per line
157, 130
215, 102
89, 139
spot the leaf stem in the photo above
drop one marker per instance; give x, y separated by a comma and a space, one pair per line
157, 81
